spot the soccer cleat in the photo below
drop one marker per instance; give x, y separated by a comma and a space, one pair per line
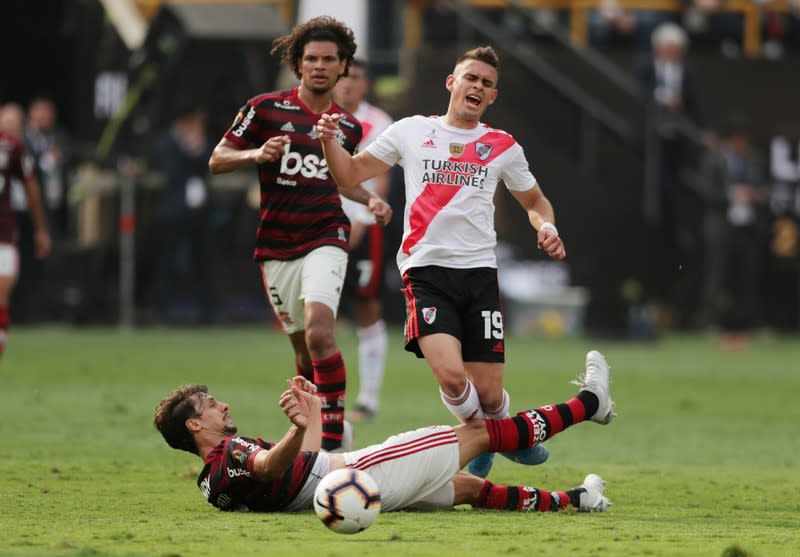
592, 499
597, 380
481, 465
530, 456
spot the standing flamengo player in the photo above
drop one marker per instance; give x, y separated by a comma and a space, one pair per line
15, 163
302, 236
365, 268
452, 166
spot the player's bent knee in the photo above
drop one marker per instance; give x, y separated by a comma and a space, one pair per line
451, 382
319, 339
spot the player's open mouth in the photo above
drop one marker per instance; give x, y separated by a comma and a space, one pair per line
473, 100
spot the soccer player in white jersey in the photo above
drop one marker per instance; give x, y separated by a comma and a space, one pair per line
452, 167
365, 267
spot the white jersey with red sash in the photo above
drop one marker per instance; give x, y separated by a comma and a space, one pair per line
451, 175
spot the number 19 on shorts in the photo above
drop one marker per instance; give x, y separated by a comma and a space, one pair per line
492, 324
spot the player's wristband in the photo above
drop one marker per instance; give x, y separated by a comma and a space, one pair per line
549, 227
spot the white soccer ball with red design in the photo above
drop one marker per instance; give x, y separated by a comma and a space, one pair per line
347, 500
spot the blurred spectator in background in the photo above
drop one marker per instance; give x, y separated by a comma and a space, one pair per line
781, 29
16, 164
734, 227
184, 217
365, 279
668, 83
50, 147
720, 26
611, 25
723, 25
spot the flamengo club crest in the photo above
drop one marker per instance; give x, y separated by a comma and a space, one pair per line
456, 149
429, 315
483, 150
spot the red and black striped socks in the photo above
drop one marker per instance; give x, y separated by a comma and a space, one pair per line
308, 374
527, 429
523, 498
329, 377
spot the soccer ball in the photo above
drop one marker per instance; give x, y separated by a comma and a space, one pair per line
347, 500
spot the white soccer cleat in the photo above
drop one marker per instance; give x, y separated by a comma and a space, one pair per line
592, 499
597, 380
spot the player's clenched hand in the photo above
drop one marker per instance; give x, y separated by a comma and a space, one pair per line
551, 244
272, 149
381, 210
303, 384
327, 126
299, 406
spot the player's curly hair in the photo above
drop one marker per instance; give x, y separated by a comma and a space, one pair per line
171, 416
322, 28
482, 53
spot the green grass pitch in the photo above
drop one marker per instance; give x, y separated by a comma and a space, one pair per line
701, 461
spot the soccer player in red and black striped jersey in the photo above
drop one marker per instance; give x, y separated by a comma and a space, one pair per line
302, 236
416, 469
16, 164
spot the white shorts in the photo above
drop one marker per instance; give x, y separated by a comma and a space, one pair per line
9, 260
413, 469
318, 276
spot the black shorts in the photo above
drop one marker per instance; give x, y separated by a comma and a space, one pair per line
365, 265
464, 303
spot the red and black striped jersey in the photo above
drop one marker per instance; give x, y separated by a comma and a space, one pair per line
227, 478
300, 205
14, 163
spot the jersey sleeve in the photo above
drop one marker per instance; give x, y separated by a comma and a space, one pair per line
242, 452
517, 174
21, 163
381, 125
387, 147
246, 128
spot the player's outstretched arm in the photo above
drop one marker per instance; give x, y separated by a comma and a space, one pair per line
312, 441
298, 406
542, 218
348, 171
376, 205
227, 157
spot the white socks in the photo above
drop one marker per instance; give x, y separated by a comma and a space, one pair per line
465, 406
372, 346
501, 412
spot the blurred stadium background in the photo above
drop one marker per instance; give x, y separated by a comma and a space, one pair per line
703, 457
119, 71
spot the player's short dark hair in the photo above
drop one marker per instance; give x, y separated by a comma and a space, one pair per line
483, 54
172, 413
323, 28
